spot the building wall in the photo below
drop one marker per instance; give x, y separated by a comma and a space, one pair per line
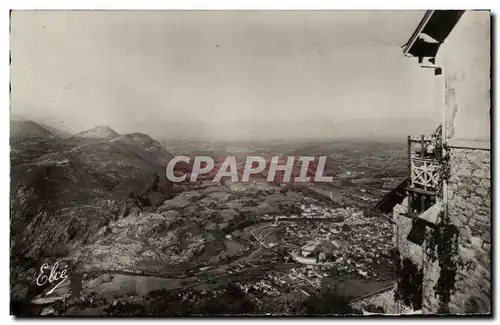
469, 204
469, 209
465, 56
430, 302
407, 250
401, 228
430, 268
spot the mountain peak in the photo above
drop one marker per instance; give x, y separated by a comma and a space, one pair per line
99, 132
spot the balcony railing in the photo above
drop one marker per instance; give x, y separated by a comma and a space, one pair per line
424, 174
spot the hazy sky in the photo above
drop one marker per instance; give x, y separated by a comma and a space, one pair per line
221, 74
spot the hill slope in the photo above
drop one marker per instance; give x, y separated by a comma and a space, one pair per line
61, 197
55, 131
21, 129
144, 146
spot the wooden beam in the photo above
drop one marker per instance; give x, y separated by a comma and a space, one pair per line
424, 49
420, 191
416, 33
412, 215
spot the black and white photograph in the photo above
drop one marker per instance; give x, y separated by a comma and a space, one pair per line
179, 163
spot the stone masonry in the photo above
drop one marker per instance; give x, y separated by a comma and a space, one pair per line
469, 203
401, 228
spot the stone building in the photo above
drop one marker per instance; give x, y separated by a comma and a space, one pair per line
441, 213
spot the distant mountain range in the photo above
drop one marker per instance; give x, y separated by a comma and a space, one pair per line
310, 129
24, 128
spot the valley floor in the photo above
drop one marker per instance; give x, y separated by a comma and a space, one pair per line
274, 248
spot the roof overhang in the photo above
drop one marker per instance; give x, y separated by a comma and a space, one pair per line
431, 32
391, 199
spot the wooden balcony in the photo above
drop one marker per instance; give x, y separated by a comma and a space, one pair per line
423, 174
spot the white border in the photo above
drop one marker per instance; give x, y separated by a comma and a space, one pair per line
251, 4
182, 4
